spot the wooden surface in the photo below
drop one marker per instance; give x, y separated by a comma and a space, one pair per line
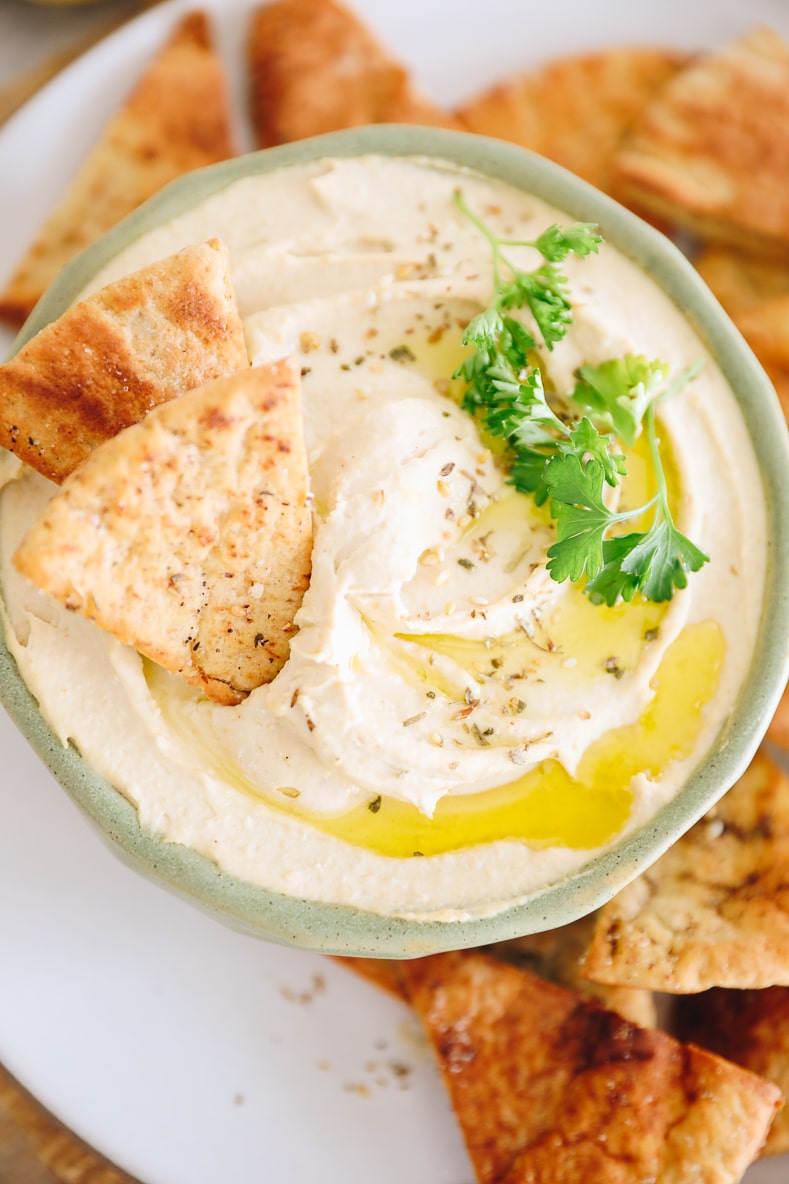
34, 1147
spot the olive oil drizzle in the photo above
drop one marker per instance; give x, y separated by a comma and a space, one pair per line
547, 806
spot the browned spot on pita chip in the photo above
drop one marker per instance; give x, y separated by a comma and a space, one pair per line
175, 120
107, 361
558, 955
711, 151
714, 910
750, 1028
386, 974
189, 535
575, 110
315, 68
548, 1086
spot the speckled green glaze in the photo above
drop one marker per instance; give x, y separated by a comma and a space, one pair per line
340, 929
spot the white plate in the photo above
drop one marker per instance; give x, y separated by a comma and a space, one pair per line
184, 1052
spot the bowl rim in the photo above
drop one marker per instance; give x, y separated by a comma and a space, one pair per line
342, 929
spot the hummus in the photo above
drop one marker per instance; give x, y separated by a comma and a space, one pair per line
453, 729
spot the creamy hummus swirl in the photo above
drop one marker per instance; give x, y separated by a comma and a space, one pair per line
435, 656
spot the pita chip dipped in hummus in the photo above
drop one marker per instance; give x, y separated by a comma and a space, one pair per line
127, 348
188, 536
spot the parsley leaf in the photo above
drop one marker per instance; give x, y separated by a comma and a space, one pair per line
619, 391
582, 517
587, 441
654, 563
557, 242
545, 292
483, 331
612, 583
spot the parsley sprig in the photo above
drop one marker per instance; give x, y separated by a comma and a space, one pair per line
567, 459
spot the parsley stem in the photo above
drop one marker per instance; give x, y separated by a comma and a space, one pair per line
681, 381
464, 208
650, 425
624, 515
496, 244
492, 238
654, 452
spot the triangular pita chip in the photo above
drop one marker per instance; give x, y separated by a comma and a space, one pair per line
711, 151
714, 910
558, 955
189, 535
574, 110
107, 361
550, 1087
175, 120
750, 1028
315, 68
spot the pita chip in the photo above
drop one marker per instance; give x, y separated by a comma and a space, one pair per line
548, 1086
383, 972
765, 327
188, 536
555, 954
175, 120
778, 731
111, 358
315, 68
575, 110
558, 955
711, 151
714, 910
755, 293
741, 280
750, 1028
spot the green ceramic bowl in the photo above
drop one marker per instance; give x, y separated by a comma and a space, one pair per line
334, 928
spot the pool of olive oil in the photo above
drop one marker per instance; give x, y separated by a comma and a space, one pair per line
545, 807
